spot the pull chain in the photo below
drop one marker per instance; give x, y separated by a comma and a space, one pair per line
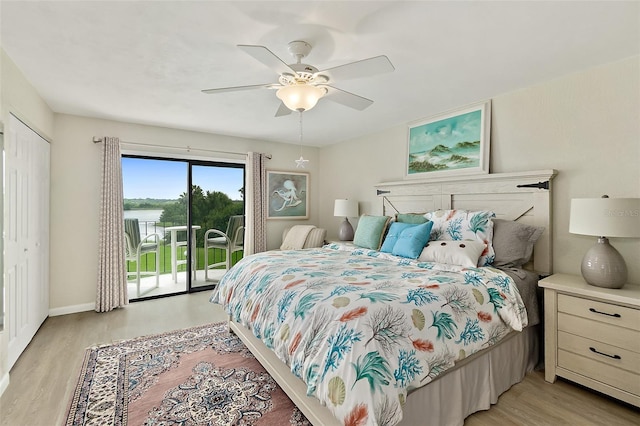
300, 163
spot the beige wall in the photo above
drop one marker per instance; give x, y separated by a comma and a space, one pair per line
584, 125
75, 193
21, 99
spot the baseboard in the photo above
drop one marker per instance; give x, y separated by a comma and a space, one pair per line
72, 309
4, 383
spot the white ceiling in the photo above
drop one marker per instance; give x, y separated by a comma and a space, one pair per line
146, 61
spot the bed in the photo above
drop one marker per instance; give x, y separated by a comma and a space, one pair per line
387, 339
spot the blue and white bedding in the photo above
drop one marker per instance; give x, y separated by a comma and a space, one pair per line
362, 328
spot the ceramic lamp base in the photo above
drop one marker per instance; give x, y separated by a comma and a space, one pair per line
345, 233
603, 266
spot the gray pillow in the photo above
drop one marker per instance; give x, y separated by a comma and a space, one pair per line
513, 242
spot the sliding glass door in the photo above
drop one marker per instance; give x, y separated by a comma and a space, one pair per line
217, 216
173, 233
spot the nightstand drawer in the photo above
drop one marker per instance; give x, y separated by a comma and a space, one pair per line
601, 332
598, 351
604, 373
598, 311
592, 335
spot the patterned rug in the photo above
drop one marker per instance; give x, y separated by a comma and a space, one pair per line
198, 376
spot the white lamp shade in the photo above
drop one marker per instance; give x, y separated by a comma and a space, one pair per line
605, 217
345, 208
300, 97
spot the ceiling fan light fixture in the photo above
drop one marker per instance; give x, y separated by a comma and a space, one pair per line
300, 97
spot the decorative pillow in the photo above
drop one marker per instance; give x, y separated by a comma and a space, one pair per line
513, 242
370, 231
315, 238
464, 253
454, 225
416, 218
392, 236
412, 240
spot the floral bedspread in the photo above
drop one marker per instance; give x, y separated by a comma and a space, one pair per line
361, 328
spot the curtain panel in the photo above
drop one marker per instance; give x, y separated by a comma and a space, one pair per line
255, 235
112, 269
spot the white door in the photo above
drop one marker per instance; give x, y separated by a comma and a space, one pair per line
26, 235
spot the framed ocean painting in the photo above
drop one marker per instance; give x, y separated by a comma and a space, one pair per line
451, 143
288, 195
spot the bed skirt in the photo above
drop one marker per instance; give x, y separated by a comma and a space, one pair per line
475, 383
472, 385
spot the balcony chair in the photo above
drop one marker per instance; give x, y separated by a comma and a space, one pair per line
231, 241
135, 248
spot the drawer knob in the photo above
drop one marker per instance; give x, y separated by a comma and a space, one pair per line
595, 311
594, 350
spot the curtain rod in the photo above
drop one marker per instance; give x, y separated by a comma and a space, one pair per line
97, 139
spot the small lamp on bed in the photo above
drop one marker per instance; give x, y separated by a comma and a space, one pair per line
602, 265
345, 208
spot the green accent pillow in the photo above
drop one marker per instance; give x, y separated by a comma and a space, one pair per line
370, 231
415, 218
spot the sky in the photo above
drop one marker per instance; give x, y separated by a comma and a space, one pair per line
447, 132
163, 179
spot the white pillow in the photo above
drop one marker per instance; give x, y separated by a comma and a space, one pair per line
461, 252
456, 225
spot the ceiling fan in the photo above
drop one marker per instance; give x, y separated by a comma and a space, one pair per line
300, 85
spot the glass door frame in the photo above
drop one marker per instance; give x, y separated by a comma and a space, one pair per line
204, 163
190, 163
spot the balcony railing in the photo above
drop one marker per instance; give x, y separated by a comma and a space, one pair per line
148, 262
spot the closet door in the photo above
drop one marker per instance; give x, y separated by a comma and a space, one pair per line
26, 235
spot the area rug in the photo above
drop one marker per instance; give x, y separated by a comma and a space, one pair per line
197, 376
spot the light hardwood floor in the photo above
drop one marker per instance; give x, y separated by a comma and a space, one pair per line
44, 377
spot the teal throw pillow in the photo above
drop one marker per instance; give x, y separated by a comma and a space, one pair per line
415, 218
392, 236
412, 240
370, 231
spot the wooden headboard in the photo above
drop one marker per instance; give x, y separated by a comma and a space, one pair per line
521, 196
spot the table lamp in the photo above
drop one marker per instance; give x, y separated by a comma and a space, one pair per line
345, 208
602, 265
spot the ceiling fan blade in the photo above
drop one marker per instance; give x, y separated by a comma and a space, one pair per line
347, 98
363, 68
240, 88
268, 58
283, 110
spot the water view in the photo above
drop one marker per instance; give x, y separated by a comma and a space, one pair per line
148, 219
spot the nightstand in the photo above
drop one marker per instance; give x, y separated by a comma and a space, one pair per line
592, 335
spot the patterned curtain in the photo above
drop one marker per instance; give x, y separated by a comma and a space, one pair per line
255, 237
112, 269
